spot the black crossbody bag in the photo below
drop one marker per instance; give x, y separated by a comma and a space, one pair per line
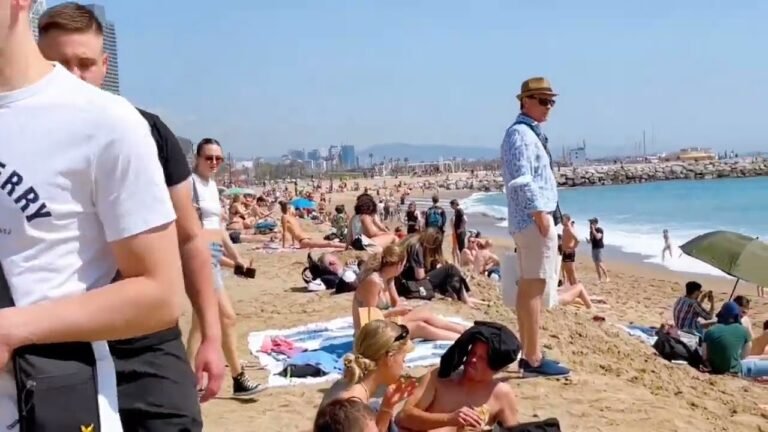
56, 384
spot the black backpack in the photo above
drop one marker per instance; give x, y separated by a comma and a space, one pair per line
671, 348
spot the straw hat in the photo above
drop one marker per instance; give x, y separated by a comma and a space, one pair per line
535, 85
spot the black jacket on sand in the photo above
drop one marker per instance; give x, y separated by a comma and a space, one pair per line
503, 347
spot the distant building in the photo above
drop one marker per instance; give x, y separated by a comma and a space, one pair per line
112, 80
314, 155
37, 9
298, 155
577, 156
693, 154
348, 157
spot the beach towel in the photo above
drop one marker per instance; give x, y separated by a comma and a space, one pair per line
333, 338
510, 276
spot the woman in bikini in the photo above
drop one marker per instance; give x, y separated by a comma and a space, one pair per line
291, 228
239, 215
206, 195
366, 222
376, 289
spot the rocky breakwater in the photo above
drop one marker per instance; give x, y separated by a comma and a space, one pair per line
642, 173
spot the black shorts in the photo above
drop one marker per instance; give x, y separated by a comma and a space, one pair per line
156, 388
569, 256
461, 240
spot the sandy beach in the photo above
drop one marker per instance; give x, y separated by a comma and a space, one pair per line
618, 383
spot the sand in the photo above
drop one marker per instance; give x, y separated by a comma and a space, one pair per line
618, 384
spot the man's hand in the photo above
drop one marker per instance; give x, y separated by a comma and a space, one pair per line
209, 369
466, 417
543, 222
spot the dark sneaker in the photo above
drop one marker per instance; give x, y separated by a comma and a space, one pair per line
546, 369
243, 386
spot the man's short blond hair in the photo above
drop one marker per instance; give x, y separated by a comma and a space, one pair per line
69, 17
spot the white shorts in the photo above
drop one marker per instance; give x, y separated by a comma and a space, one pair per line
536, 254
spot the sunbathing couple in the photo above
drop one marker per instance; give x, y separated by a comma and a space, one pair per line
461, 395
292, 229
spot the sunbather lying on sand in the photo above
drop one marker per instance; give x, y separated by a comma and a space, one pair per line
760, 343
291, 228
377, 289
469, 399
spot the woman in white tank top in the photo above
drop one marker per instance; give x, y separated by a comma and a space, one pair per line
206, 196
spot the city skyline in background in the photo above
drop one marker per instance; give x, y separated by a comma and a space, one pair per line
266, 77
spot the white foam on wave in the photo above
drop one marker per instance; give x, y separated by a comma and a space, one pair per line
644, 240
475, 204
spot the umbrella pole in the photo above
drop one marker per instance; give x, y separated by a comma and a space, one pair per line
734, 289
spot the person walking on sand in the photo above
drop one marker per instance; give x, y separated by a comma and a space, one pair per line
531, 200
597, 242
667, 245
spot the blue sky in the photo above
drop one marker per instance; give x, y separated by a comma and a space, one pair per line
265, 76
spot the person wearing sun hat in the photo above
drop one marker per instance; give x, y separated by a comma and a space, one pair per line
531, 191
727, 345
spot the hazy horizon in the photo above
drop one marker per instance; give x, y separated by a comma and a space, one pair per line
265, 77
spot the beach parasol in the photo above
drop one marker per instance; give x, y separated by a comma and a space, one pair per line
302, 203
239, 191
741, 256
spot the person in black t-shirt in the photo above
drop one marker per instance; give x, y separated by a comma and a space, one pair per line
597, 242
156, 386
412, 219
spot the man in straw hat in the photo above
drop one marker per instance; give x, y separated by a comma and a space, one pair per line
531, 202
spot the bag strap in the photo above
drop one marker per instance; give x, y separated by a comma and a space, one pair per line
6, 297
196, 199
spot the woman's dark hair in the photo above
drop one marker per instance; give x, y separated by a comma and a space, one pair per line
366, 205
204, 142
343, 415
742, 301
284, 207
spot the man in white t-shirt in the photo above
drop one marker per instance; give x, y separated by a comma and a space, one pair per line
81, 197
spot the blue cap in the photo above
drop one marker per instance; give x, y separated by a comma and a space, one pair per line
730, 313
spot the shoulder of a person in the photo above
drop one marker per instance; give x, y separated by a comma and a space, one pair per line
521, 131
503, 391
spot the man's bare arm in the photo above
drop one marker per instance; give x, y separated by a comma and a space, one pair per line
414, 415
146, 300
508, 411
196, 262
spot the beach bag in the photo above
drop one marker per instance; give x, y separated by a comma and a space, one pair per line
56, 384
414, 290
434, 218
673, 349
265, 227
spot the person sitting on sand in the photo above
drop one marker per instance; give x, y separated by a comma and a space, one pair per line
367, 223
239, 215
425, 262
688, 311
376, 289
291, 228
486, 262
343, 415
377, 360
727, 345
468, 398
743, 302
467, 258
760, 343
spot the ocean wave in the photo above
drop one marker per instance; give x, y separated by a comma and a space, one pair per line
621, 231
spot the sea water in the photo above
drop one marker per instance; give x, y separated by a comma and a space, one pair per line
633, 216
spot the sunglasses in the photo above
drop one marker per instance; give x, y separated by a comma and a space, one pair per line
218, 159
545, 102
404, 333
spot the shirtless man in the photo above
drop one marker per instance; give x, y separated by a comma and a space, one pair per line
485, 260
291, 228
667, 245
450, 405
570, 242
468, 254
